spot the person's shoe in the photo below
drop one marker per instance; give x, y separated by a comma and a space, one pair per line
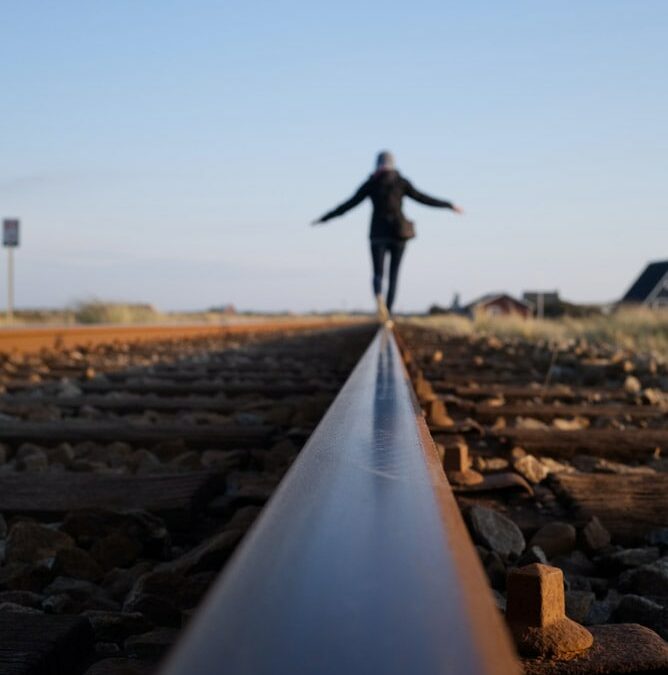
383, 314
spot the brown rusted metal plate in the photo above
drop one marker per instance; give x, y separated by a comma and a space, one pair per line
506, 480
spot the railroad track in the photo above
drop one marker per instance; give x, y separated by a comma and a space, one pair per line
131, 474
130, 470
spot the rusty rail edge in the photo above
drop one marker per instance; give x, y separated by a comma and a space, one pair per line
32, 339
360, 562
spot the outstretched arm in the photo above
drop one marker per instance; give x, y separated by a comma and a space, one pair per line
358, 197
418, 196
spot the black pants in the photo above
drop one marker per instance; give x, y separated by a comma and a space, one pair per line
379, 248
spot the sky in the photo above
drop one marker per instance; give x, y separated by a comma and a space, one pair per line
175, 152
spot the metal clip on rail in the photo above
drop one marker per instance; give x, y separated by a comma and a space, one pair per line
361, 562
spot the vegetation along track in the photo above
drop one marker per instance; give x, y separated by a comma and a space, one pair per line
129, 472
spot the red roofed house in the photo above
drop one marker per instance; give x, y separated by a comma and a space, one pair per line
499, 304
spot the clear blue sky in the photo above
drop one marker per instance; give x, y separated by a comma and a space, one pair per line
174, 152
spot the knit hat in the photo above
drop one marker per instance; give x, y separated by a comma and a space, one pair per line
385, 161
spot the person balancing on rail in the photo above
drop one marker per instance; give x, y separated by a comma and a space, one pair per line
390, 229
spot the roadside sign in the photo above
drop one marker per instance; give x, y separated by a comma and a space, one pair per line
10, 232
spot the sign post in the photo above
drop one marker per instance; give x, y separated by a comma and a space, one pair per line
10, 240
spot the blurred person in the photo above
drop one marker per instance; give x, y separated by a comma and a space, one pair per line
390, 229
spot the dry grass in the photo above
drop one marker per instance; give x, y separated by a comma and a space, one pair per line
96, 311
639, 330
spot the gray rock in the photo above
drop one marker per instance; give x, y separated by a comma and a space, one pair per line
496, 571
594, 536
62, 603
636, 609
106, 649
533, 554
152, 645
25, 598
116, 550
247, 419
658, 537
61, 454
35, 462
160, 611
649, 579
28, 450
26, 576
601, 611
598, 585
495, 531
629, 557
142, 462
75, 562
118, 582
144, 528
18, 609
578, 605
29, 542
117, 626
555, 539
577, 582
575, 563
67, 389
222, 460
209, 555
160, 581
75, 588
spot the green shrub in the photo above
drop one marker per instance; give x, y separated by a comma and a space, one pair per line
96, 311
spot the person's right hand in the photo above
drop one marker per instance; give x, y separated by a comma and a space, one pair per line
317, 222
458, 210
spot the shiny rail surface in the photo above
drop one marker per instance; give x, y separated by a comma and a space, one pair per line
360, 562
32, 339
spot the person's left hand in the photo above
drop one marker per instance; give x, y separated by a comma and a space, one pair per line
458, 210
317, 222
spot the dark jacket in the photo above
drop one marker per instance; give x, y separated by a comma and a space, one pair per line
386, 189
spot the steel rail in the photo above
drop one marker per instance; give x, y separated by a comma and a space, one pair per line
360, 562
26, 340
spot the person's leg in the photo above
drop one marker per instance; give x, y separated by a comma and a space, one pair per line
378, 260
396, 253
378, 251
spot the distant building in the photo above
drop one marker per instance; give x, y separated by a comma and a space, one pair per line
224, 309
546, 303
651, 287
499, 304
